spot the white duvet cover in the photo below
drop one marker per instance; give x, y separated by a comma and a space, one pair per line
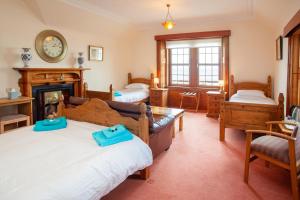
252, 99
132, 95
65, 164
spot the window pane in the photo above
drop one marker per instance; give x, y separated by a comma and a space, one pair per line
174, 69
180, 51
186, 70
215, 70
186, 51
208, 50
186, 59
202, 50
208, 58
208, 70
174, 77
215, 58
215, 50
180, 59
174, 59
202, 58
174, 51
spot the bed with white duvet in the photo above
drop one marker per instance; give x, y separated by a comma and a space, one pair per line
133, 93
251, 96
65, 164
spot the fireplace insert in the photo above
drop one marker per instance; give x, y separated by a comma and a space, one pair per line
46, 99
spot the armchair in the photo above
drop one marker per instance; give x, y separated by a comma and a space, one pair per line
280, 149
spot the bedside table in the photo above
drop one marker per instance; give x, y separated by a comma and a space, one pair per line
213, 103
159, 97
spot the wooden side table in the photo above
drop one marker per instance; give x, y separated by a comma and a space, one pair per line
213, 103
14, 111
159, 97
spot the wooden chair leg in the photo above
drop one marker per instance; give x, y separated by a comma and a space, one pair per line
293, 170
294, 184
181, 101
198, 100
247, 159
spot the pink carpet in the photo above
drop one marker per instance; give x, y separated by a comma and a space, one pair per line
198, 166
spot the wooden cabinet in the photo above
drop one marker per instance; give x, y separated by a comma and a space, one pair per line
14, 112
159, 97
213, 103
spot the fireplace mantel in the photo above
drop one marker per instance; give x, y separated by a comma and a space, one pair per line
50, 76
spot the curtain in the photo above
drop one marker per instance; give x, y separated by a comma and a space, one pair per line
162, 68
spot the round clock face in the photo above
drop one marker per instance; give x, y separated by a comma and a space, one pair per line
52, 46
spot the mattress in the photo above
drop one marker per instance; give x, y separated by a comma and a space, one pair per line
132, 95
252, 99
65, 164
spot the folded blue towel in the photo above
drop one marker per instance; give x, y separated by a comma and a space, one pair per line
102, 140
50, 125
117, 93
114, 131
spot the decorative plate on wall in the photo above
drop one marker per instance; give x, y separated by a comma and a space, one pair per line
51, 46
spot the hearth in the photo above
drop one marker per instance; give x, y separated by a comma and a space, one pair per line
46, 99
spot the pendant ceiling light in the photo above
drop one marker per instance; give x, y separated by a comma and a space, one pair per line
169, 22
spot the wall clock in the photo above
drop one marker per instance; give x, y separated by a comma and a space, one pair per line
51, 46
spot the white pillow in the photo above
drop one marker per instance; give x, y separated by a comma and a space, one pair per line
253, 93
137, 86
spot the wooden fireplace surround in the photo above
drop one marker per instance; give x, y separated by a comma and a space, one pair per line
46, 76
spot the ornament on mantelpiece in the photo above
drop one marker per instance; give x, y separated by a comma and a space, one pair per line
80, 59
26, 56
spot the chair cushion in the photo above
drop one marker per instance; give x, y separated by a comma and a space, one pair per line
276, 147
272, 146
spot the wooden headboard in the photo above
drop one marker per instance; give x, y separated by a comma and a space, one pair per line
149, 82
265, 87
98, 94
97, 111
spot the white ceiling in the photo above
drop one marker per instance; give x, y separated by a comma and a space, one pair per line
150, 11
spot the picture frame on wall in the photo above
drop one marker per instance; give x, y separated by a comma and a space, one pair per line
95, 53
279, 48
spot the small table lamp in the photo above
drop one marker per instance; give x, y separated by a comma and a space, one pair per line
155, 81
221, 84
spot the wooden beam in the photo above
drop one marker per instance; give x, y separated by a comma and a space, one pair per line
292, 25
194, 35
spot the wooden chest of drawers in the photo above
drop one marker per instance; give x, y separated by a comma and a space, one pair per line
213, 103
159, 97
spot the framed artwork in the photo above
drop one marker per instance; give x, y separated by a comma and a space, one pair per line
279, 48
95, 53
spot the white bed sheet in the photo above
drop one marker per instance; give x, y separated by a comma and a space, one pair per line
252, 99
65, 164
132, 95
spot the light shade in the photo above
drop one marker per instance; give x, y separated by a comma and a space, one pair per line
169, 22
156, 80
221, 83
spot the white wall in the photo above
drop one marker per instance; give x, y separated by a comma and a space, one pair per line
20, 25
252, 51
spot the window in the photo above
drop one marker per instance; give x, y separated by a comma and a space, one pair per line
180, 66
209, 65
195, 62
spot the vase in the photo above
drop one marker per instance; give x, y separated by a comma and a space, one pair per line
26, 56
80, 59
